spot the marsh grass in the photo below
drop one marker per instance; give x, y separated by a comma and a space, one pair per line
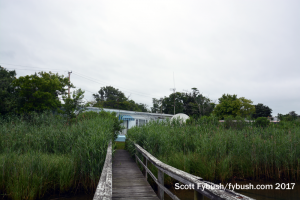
46, 155
217, 152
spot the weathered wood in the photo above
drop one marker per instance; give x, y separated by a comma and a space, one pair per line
160, 178
104, 188
128, 181
209, 190
173, 196
145, 161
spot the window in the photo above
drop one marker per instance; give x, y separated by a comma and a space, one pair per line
142, 122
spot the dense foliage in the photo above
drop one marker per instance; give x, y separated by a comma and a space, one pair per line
191, 103
262, 111
291, 116
262, 122
211, 150
8, 95
230, 105
43, 154
110, 97
73, 104
39, 92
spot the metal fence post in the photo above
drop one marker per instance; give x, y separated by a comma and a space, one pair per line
160, 178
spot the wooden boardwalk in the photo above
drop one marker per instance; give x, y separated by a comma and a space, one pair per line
128, 181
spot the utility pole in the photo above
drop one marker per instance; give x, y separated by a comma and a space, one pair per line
69, 83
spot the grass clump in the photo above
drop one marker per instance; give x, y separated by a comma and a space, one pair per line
44, 154
217, 152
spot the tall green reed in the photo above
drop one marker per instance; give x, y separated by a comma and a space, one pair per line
45, 155
217, 152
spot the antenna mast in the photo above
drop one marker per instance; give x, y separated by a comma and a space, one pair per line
174, 89
69, 83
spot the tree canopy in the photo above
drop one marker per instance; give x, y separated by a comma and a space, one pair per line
191, 103
292, 115
8, 95
230, 105
39, 92
73, 103
262, 111
110, 97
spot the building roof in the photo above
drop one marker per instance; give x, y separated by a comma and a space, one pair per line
158, 115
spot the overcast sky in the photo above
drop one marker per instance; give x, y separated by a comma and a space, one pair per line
248, 48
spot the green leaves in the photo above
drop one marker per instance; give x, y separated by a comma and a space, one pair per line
8, 94
73, 104
262, 111
262, 122
193, 104
110, 97
40, 92
231, 105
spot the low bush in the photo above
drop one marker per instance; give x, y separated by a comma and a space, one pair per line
262, 122
237, 123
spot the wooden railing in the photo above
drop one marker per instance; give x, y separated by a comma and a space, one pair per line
201, 187
104, 188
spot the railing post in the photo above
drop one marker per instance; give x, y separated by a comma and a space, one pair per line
160, 178
198, 196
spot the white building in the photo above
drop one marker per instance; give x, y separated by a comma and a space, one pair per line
132, 118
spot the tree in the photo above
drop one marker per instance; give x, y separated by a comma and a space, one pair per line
142, 107
262, 111
203, 104
230, 105
40, 92
73, 105
168, 103
110, 97
192, 104
8, 95
292, 115
157, 105
109, 93
246, 109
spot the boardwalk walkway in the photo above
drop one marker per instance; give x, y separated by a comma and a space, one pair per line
128, 181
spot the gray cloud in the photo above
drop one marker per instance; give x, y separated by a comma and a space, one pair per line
248, 48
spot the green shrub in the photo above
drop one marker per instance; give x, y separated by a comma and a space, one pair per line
209, 120
234, 123
262, 122
190, 121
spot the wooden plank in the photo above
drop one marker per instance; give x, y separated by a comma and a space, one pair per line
104, 188
160, 178
128, 181
160, 186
